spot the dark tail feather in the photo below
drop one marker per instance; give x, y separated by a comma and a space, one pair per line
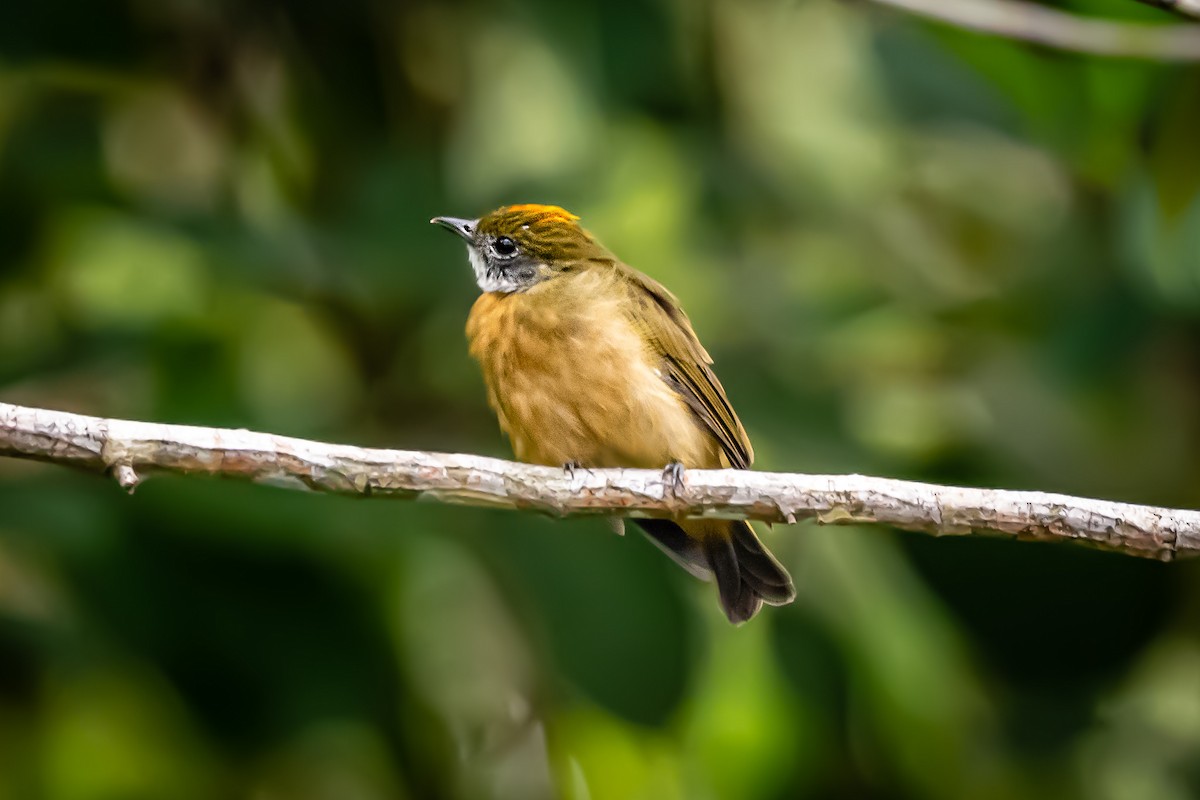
747, 575
760, 569
738, 598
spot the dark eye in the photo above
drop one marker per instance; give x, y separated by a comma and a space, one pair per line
504, 247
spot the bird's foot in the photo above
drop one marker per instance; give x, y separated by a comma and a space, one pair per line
673, 476
570, 468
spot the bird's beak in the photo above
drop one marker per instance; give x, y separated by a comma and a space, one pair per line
463, 227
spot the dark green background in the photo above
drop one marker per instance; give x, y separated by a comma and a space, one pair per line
913, 252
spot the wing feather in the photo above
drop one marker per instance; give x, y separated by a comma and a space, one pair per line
667, 328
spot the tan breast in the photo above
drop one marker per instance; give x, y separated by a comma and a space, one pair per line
570, 379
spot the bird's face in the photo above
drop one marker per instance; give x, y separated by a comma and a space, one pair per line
517, 247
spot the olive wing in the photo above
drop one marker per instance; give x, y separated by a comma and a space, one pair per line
686, 364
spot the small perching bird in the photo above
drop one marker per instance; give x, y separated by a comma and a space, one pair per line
590, 363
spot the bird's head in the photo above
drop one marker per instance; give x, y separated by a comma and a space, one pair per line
516, 247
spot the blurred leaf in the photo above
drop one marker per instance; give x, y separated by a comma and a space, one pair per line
493, 148
608, 759
747, 740
120, 272
129, 730
294, 375
1174, 162
605, 603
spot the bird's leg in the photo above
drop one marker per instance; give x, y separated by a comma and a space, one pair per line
673, 475
570, 468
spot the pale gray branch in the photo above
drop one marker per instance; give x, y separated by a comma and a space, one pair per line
129, 450
1015, 19
1189, 9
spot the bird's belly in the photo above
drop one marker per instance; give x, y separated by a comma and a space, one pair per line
600, 421
587, 392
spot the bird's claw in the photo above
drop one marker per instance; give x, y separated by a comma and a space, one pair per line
570, 468
673, 476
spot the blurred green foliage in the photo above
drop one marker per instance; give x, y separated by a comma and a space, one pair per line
913, 251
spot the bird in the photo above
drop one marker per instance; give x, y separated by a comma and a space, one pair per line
589, 363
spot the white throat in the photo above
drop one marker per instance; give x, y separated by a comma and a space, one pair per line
489, 281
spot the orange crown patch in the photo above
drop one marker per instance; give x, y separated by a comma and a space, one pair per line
543, 213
